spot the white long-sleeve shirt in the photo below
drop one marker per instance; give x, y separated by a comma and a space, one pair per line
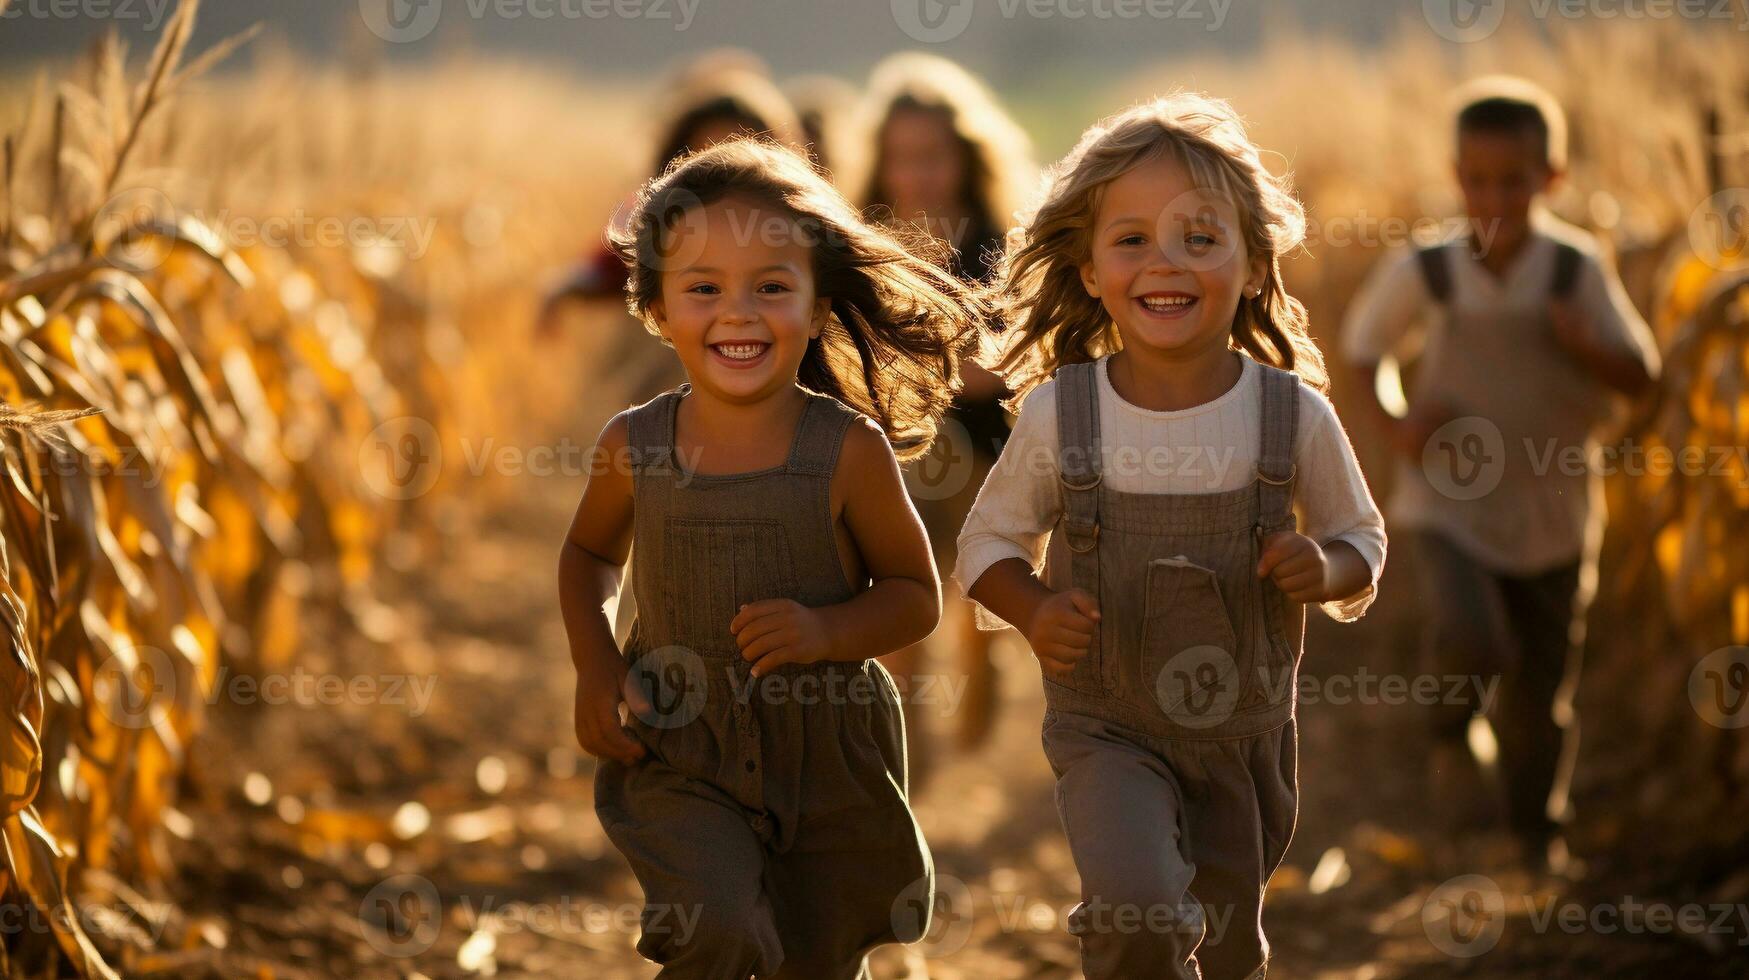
1210, 448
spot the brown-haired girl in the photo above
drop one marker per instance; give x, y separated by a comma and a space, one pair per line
760, 787
1172, 422
948, 159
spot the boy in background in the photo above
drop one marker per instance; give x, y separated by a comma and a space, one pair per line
1526, 341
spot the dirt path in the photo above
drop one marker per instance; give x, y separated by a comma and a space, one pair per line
464, 827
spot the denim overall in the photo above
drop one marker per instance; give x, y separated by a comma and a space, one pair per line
768, 824
1173, 740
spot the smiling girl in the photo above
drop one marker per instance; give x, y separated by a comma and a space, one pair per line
759, 792
1172, 420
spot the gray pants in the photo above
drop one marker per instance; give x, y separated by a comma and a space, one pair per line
1175, 840
1525, 630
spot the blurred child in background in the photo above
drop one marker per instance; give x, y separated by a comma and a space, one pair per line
1526, 335
947, 158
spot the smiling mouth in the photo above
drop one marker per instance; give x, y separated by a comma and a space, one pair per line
1168, 305
741, 351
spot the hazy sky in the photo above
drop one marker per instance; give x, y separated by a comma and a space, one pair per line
1001, 38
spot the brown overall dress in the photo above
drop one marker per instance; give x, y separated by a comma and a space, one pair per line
768, 824
1173, 740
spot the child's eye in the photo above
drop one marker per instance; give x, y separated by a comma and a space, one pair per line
773, 287
703, 288
1202, 239
1135, 239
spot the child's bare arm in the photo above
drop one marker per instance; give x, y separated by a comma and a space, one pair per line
1308, 572
1618, 366
590, 563
1058, 625
902, 605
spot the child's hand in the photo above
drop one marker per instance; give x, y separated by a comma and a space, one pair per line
1061, 630
780, 631
600, 688
1298, 566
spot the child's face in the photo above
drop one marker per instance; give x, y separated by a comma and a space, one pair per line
923, 165
1500, 174
737, 300
1169, 261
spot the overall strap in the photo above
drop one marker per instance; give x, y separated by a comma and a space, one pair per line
1275, 449
1435, 262
650, 435
820, 435
1078, 453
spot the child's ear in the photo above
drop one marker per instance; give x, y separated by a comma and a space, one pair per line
1088, 281
659, 316
1259, 273
822, 311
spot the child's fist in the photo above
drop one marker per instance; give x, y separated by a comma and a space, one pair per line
1298, 566
600, 688
1571, 328
1410, 434
779, 631
1061, 631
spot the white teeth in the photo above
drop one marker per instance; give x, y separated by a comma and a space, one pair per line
740, 352
1166, 302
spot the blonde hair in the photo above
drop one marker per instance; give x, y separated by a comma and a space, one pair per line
899, 324
1053, 321
999, 166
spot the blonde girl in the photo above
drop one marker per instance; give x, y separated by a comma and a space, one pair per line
758, 790
1172, 422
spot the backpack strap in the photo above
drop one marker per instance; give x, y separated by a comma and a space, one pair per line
1567, 262
1436, 271
1275, 450
1078, 454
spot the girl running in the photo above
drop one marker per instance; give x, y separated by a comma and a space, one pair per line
948, 159
759, 789
1172, 421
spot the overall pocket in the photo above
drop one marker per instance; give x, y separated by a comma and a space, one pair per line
1189, 667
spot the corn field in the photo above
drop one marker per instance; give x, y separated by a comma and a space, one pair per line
216, 449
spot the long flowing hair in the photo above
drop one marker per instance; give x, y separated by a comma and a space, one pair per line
899, 324
1051, 320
